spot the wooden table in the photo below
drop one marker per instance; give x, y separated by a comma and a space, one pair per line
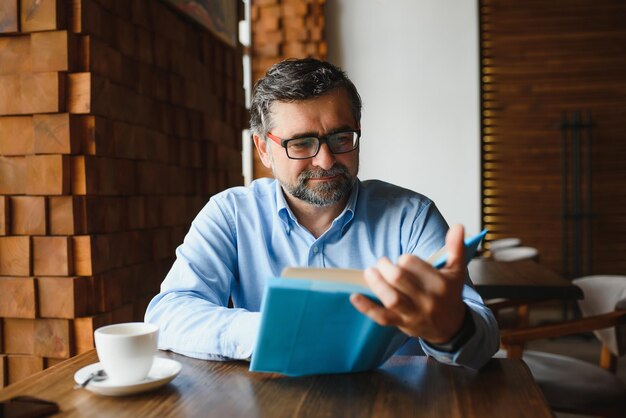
405, 386
521, 280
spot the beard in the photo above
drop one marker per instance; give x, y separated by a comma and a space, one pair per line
324, 194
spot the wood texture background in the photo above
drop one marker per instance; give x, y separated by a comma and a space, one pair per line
538, 60
118, 121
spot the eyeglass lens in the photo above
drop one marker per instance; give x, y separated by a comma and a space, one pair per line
338, 143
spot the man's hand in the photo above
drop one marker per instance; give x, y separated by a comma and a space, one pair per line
418, 299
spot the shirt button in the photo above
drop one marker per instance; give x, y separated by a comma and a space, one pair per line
239, 350
316, 250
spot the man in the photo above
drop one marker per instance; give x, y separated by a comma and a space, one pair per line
305, 119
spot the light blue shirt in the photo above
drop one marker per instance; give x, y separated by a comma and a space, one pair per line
245, 235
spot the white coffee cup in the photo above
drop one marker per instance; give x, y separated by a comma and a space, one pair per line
126, 351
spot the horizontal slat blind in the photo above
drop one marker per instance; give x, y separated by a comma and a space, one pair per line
540, 59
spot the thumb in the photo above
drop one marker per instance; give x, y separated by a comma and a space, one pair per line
456, 247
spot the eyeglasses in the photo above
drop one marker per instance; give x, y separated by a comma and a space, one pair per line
308, 147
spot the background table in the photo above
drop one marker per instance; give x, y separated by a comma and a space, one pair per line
526, 280
405, 386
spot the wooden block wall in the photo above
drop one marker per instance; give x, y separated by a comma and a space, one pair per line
284, 29
118, 121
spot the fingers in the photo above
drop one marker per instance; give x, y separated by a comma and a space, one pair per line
423, 277
375, 312
456, 248
396, 275
382, 280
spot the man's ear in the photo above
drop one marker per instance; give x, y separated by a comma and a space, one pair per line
261, 146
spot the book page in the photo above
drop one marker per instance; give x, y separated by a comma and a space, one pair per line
434, 257
351, 276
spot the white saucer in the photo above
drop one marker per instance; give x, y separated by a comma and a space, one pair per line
162, 372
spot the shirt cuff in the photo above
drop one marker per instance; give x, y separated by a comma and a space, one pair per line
243, 332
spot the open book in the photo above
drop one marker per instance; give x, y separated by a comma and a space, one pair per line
308, 325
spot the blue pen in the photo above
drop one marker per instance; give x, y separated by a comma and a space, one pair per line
471, 246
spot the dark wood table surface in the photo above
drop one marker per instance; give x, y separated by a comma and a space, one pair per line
403, 387
526, 280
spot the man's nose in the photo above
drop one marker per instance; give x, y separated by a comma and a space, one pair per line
324, 159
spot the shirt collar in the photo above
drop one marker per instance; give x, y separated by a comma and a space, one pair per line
282, 208
348, 213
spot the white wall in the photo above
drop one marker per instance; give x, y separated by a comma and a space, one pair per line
415, 63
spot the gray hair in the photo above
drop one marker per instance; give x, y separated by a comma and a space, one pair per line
293, 80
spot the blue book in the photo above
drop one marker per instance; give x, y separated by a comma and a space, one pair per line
308, 325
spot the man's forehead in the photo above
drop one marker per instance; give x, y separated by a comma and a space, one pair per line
331, 110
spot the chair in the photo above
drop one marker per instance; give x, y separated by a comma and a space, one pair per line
572, 385
510, 313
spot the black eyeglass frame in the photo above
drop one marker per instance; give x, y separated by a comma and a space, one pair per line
321, 139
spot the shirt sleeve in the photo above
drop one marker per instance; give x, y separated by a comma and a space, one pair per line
192, 307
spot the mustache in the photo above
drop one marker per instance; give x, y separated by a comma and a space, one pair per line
336, 170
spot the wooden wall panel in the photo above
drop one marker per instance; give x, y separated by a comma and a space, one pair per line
29, 93
539, 61
17, 297
118, 121
9, 22
16, 135
28, 215
41, 15
12, 175
15, 256
284, 29
15, 56
5, 215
